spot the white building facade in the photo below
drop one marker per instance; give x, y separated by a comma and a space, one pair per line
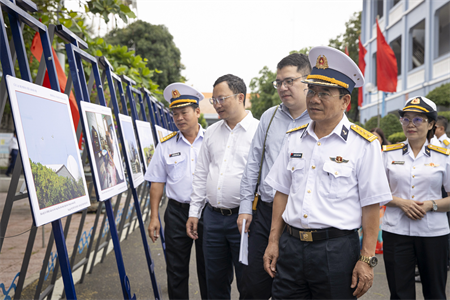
418, 31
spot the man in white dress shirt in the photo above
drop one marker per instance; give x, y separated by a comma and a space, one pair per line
173, 165
441, 137
330, 180
216, 183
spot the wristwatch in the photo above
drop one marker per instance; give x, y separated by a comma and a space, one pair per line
371, 261
435, 207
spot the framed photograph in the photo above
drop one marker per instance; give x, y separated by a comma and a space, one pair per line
49, 150
146, 141
132, 155
107, 164
161, 132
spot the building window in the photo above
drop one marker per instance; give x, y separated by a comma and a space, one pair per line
379, 8
418, 44
444, 30
396, 46
395, 2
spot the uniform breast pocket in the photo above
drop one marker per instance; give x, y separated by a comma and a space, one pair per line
240, 156
335, 180
176, 167
297, 168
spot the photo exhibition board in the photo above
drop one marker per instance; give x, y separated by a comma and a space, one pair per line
146, 141
131, 147
161, 132
49, 150
101, 136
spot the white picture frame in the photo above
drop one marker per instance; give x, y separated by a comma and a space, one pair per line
146, 141
161, 132
49, 149
107, 164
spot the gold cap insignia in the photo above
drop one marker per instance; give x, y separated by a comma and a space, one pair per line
415, 101
175, 94
321, 62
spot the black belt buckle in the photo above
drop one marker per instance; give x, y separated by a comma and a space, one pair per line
225, 209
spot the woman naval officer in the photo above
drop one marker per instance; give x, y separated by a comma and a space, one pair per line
415, 226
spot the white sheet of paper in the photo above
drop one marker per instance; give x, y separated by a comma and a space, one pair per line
243, 251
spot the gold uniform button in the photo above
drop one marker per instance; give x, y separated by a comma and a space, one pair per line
192, 173
313, 167
218, 188
414, 167
413, 197
175, 162
305, 216
192, 159
309, 191
221, 173
318, 143
192, 146
293, 168
412, 186
335, 173
414, 176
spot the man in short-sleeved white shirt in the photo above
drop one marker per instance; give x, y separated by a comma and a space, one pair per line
329, 180
216, 184
173, 166
440, 137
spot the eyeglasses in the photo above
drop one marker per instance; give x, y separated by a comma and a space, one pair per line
323, 96
220, 99
287, 82
417, 121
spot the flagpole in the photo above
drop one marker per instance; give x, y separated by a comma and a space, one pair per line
378, 109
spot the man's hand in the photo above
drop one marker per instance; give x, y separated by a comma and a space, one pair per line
191, 228
248, 220
270, 259
362, 278
153, 229
413, 209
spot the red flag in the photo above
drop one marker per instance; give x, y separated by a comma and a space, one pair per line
348, 54
386, 64
362, 67
346, 50
36, 50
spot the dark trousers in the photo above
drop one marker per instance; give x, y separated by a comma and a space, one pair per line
256, 283
178, 252
12, 163
315, 270
401, 253
221, 247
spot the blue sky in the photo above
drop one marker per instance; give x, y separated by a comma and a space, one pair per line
48, 130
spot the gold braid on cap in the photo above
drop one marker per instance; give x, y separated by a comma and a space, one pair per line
329, 79
182, 101
417, 107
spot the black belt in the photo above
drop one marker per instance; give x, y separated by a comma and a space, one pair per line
269, 204
317, 235
183, 205
225, 211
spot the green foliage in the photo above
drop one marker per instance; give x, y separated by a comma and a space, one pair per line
52, 189
444, 114
155, 45
263, 96
202, 121
304, 50
440, 95
350, 39
389, 124
107, 7
397, 137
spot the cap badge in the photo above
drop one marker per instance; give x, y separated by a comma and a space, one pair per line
415, 101
322, 62
175, 94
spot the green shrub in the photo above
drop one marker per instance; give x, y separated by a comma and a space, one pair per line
372, 123
440, 95
390, 124
397, 137
445, 114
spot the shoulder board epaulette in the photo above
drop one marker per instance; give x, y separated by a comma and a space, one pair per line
393, 147
446, 142
297, 128
442, 150
168, 137
364, 133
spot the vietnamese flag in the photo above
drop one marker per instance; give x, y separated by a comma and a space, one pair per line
386, 64
36, 50
362, 67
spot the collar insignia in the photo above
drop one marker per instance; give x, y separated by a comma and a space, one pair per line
322, 62
175, 94
415, 101
427, 151
344, 133
339, 159
405, 149
431, 165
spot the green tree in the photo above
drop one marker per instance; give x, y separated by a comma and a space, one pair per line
440, 95
349, 39
263, 95
202, 121
390, 124
155, 43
